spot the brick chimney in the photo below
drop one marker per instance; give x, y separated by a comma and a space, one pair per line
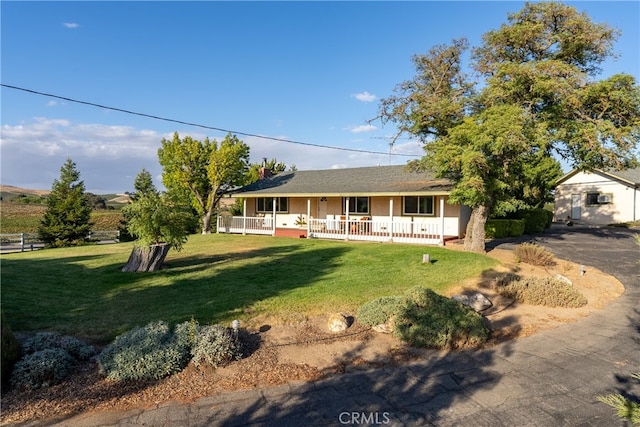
264, 171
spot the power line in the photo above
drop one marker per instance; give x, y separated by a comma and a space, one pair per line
151, 116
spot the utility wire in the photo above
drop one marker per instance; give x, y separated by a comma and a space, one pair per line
92, 104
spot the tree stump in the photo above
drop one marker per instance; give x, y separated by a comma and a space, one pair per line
146, 258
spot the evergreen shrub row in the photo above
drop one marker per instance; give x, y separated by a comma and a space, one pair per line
501, 228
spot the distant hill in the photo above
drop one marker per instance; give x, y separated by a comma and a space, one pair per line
10, 189
10, 192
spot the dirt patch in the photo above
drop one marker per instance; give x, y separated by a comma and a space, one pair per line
304, 350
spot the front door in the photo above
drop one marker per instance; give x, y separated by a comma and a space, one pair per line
322, 208
576, 208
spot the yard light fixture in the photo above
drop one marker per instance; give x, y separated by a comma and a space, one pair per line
235, 325
582, 270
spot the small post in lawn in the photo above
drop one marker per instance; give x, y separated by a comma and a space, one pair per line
426, 259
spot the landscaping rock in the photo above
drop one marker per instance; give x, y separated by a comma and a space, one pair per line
337, 323
477, 301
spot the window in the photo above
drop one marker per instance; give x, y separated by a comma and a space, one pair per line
265, 204
418, 205
594, 199
357, 205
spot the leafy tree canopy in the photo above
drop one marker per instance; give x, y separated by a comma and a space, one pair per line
203, 169
533, 95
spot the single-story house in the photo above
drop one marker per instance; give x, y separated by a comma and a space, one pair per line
380, 203
598, 197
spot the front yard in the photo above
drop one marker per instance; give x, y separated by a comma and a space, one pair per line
216, 278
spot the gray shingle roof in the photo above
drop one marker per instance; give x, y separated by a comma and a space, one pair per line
378, 180
631, 175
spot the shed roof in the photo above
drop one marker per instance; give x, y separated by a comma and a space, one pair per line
375, 180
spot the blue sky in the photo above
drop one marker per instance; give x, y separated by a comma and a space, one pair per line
305, 71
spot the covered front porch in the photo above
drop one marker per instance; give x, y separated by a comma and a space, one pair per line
429, 230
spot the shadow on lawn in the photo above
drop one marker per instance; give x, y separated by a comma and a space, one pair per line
97, 303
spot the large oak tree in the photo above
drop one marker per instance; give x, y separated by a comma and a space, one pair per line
533, 94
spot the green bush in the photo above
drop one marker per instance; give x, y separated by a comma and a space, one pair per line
43, 368
10, 349
149, 353
535, 220
546, 291
500, 228
434, 321
46, 340
216, 346
534, 255
379, 310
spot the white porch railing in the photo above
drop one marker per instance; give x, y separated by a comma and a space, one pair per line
245, 225
353, 229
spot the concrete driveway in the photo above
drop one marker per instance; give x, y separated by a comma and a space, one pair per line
549, 379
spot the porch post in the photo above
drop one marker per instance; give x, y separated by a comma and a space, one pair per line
308, 216
346, 225
244, 216
273, 233
390, 218
441, 220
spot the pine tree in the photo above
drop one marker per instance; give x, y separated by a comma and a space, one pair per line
66, 221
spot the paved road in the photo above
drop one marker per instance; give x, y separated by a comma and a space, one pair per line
549, 379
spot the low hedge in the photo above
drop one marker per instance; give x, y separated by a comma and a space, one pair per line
535, 220
500, 228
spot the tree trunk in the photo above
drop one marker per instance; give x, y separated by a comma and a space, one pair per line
474, 239
148, 258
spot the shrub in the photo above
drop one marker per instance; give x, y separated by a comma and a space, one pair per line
535, 220
379, 310
43, 368
216, 346
500, 228
10, 349
533, 254
151, 352
77, 349
545, 291
434, 321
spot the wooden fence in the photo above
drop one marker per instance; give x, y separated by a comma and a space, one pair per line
31, 241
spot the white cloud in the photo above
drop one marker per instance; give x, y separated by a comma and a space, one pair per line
365, 97
71, 25
363, 128
52, 103
106, 156
109, 157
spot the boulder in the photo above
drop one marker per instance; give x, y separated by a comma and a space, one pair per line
477, 301
337, 323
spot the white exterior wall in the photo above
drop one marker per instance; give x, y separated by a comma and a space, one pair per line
624, 203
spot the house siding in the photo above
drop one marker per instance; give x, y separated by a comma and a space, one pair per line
571, 194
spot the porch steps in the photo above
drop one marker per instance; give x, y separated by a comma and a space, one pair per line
291, 232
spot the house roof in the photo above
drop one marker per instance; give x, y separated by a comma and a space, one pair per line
376, 180
628, 176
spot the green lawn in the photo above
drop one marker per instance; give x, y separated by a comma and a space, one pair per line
215, 278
